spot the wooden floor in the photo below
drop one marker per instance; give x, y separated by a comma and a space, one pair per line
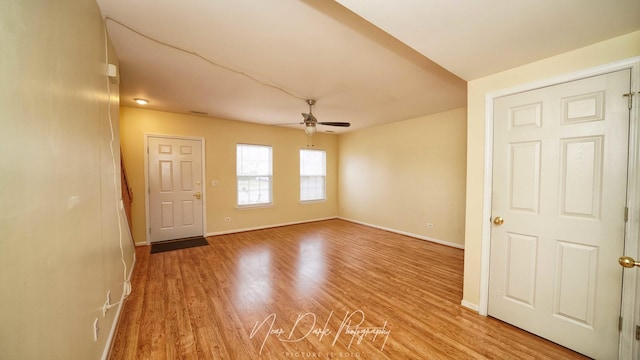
330, 289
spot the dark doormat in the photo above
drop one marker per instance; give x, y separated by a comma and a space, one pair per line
170, 245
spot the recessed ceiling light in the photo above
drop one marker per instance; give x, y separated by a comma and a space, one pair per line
141, 101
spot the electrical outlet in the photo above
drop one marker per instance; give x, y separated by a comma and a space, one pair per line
96, 329
214, 183
429, 225
227, 219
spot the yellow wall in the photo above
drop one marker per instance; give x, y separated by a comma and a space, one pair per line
620, 48
59, 237
404, 175
221, 137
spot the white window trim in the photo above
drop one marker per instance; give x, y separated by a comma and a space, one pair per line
311, 201
256, 205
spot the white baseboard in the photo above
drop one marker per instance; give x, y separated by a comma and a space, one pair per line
470, 306
141, 244
233, 231
116, 318
437, 241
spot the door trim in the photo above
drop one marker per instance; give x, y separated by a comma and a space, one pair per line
630, 306
146, 180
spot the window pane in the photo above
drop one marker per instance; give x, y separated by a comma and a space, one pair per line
254, 190
312, 188
253, 167
253, 160
312, 162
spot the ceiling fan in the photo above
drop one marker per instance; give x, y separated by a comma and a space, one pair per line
310, 121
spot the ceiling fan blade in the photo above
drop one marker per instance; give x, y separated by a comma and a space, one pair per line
331, 123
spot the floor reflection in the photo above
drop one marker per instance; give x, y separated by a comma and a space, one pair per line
311, 266
254, 279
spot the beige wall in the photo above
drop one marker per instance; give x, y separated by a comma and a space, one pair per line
606, 52
221, 137
59, 238
404, 175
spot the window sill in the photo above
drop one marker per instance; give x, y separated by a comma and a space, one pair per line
312, 201
254, 206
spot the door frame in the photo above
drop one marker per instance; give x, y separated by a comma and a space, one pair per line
146, 180
630, 306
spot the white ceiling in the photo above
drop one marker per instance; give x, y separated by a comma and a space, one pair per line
474, 38
257, 61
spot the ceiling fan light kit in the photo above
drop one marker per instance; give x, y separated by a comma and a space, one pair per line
310, 129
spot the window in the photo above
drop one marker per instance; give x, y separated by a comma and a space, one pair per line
313, 172
253, 172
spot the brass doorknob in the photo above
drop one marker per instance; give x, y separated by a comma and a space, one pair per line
198, 195
498, 220
628, 262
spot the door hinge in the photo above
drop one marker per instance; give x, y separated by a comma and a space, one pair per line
637, 332
620, 323
629, 97
626, 214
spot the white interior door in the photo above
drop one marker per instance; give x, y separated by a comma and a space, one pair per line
559, 186
175, 188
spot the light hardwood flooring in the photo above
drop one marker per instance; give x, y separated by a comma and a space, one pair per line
329, 289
